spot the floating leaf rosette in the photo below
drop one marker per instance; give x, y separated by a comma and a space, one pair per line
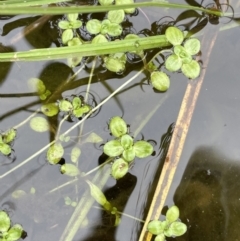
182, 56
6, 139
124, 147
171, 227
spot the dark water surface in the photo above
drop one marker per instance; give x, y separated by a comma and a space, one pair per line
206, 185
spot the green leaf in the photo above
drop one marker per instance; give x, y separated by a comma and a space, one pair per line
67, 35
156, 227
119, 168
75, 154
173, 63
121, 2
73, 62
64, 24
78, 112
14, 233
69, 170
18, 194
160, 237
45, 95
72, 17
75, 42
192, 46
117, 126
183, 54
105, 2
5, 149
76, 102
39, 124
114, 64
76, 24
4, 222
172, 214
143, 149
129, 154
104, 26
9, 135
160, 80
116, 16
50, 109
65, 105
113, 148
85, 109
99, 39
55, 153
36, 85
176, 229
114, 29
191, 70
93, 26
97, 194
126, 141
174, 35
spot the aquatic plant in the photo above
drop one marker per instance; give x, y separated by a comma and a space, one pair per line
171, 227
8, 232
105, 40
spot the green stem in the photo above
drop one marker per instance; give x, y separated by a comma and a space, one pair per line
9, 10
86, 50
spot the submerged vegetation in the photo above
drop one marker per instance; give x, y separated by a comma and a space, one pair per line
102, 42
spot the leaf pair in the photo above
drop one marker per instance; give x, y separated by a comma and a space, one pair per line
171, 227
8, 233
76, 107
124, 147
182, 56
6, 138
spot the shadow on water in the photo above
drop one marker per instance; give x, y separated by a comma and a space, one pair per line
208, 196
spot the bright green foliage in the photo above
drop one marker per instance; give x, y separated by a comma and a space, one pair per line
124, 147
160, 81
65, 105
116, 16
76, 107
69, 170
114, 29
174, 35
14, 233
4, 222
100, 38
38, 86
105, 2
113, 148
93, 26
55, 153
8, 233
128, 10
117, 126
50, 109
119, 168
39, 124
75, 154
134, 36
64, 138
182, 57
104, 27
68, 26
99, 197
143, 149
73, 62
172, 227
116, 62
6, 139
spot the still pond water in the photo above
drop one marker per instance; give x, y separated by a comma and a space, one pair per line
206, 185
